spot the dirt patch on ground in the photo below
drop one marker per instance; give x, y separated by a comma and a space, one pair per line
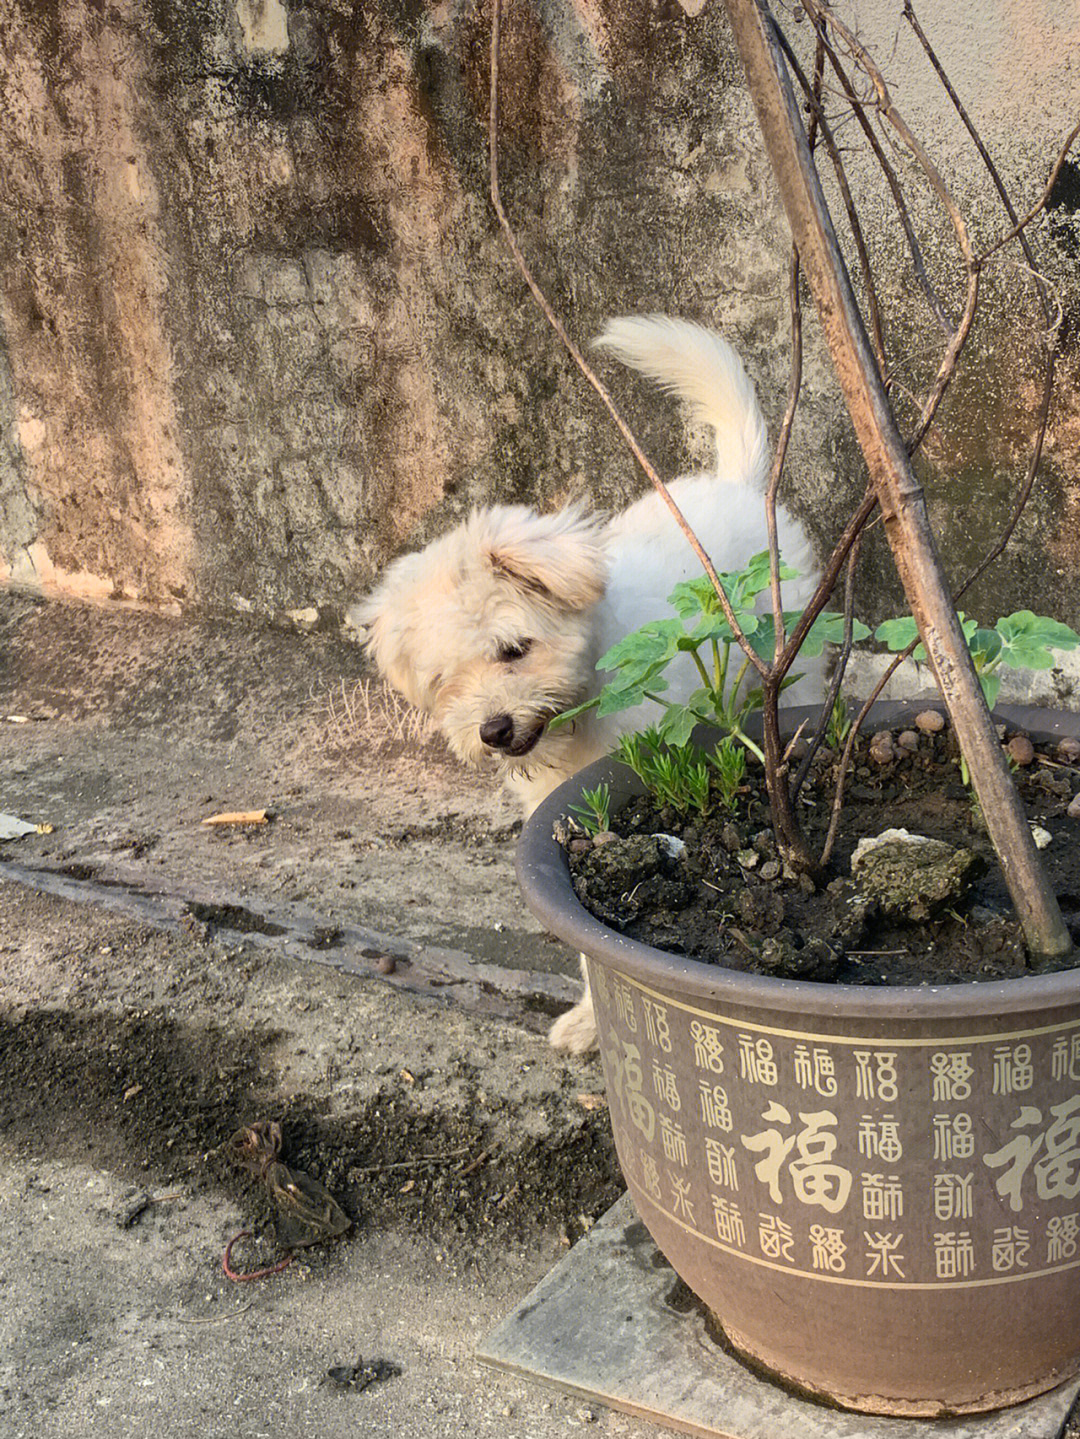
143, 1052
393, 1164
714, 888
132, 1047
165, 1098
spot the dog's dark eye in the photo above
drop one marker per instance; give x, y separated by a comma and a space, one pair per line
507, 654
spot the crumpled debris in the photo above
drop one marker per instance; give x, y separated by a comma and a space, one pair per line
360, 1375
239, 816
12, 827
307, 1212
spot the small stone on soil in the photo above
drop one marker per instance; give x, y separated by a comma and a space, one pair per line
1068, 751
1073, 810
1020, 749
930, 722
881, 748
604, 836
908, 739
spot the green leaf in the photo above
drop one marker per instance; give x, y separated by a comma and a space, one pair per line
897, 634
678, 725
701, 702
991, 683
763, 639
716, 627
693, 597
1039, 628
653, 643
615, 698
985, 647
697, 596
754, 576
1030, 640
827, 629
572, 714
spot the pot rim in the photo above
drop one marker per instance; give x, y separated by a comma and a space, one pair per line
544, 876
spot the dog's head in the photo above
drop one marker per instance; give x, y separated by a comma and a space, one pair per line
488, 630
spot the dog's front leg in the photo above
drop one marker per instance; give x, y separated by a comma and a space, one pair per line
575, 1030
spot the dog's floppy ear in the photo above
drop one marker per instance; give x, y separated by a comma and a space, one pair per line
558, 556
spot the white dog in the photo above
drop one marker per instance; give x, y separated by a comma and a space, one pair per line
496, 628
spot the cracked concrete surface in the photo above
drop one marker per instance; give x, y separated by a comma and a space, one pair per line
467, 1154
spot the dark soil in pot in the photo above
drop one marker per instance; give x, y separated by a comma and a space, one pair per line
713, 887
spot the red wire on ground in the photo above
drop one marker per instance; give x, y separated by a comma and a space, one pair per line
230, 1272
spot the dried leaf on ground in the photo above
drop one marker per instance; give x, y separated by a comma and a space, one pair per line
307, 1212
239, 816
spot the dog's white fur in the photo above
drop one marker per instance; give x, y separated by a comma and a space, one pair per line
498, 625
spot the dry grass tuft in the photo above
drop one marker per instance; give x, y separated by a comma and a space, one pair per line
371, 714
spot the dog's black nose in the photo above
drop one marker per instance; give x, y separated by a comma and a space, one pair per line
498, 731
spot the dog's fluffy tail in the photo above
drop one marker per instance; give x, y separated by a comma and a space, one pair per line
701, 368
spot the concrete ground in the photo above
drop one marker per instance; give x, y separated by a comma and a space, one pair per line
163, 983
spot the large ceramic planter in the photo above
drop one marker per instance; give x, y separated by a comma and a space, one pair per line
877, 1192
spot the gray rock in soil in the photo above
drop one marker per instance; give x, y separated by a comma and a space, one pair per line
626, 877
912, 876
1073, 810
813, 960
623, 863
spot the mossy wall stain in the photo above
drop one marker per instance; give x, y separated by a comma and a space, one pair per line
263, 331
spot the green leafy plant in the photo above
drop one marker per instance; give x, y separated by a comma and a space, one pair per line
839, 724
728, 760
1022, 641
685, 776
700, 630
675, 775
594, 813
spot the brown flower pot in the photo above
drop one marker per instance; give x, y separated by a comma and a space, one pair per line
877, 1192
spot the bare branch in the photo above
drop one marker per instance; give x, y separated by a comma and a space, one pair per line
939, 69
839, 670
576, 355
1024, 493
1040, 204
903, 503
830, 574
949, 361
817, 117
918, 264
822, 14
779, 457
845, 758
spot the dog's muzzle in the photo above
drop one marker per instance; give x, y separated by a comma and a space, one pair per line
500, 734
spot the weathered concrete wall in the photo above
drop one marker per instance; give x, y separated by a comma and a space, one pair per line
258, 328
